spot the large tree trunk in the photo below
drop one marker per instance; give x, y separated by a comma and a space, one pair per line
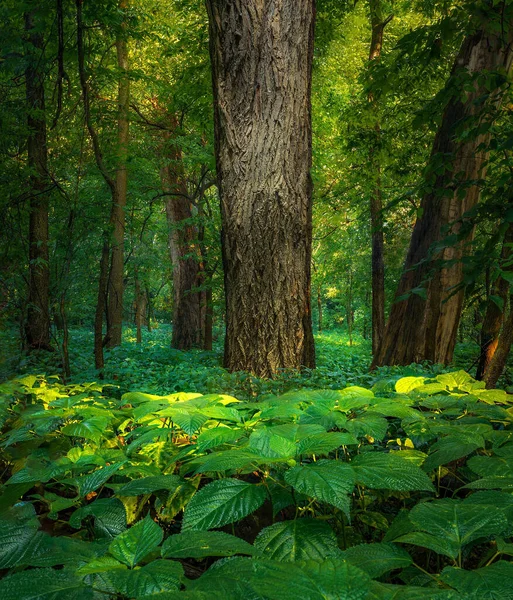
423, 326
378, 25
183, 249
495, 309
117, 215
37, 327
261, 53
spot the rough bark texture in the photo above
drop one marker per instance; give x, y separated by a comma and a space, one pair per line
261, 53
183, 249
494, 315
37, 327
117, 215
425, 328
378, 25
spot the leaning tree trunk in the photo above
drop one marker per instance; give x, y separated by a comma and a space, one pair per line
183, 249
117, 215
261, 53
37, 327
378, 25
423, 325
495, 309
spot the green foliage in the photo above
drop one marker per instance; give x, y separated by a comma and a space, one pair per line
127, 505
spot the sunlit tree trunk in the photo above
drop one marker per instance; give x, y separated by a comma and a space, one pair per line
500, 356
183, 248
261, 53
37, 326
495, 310
117, 215
378, 25
423, 325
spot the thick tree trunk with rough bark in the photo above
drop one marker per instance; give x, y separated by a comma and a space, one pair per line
117, 215
261, 53
494, 315
378, 25
183, 249
37, 326
424, 326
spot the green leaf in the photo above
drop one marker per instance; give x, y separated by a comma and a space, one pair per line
199, 544
492, 582
43, 584
328, 481
18, 534
221, 502
324, 443
211, 438
131, 546
148, 485
454, 524
90, 429
109, 517
405, 385
354, 397
156, 578
90, 483
451, 448
189, 422
301, 539
377, 559
389, 472
368, 424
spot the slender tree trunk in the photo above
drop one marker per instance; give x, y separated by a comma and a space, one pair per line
37, 327
423, 325
349, 306
261, 53
149, 306
183, 249
500, 357
101, 306
319, 308
140, 308
117, 215
378, 25
495, 309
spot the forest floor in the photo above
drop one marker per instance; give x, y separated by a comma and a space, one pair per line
155, 367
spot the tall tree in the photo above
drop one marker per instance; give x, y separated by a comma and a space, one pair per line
37, 327
261, 53
183, 247
119, 197
424, 319
378, 24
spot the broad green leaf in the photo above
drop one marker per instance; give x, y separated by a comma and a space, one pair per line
109, 517
199, 544
301, 539
488, 466
147, 485
450, 448
369, 424
328, 481
90, 429
389, 472
324, 443
43, 584
18, 535
354, 397
211, 438
407, 384
134, 544
221, 502
155, 578
377, 559
89, 483
493, 582
495, 482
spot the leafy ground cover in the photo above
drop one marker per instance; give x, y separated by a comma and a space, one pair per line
396, 489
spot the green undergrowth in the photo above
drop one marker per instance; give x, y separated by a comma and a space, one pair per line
154, 367
399, 490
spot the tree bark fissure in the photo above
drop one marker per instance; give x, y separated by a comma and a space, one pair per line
261, 54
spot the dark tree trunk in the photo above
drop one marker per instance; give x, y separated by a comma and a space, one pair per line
495, 310
500, 357
319, 308
117, 215
378, 25
424, 327
184, 250
261, 53
140, 308
101, 304
37, 327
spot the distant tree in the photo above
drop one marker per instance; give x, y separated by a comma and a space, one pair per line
261, 53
